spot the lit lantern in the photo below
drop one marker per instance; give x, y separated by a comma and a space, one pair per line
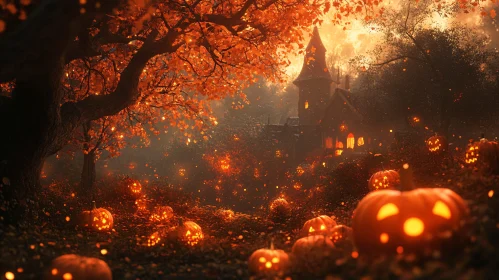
391, 221
161, 214
306, 104
385, 179
321, 225
437, 144
74, 267
98, 219
360, 141
269, 262
300, 170
350, 141
483, 155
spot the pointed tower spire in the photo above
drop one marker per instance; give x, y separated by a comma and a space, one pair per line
314, 82
314, 65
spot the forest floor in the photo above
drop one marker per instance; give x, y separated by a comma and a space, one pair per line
27, 250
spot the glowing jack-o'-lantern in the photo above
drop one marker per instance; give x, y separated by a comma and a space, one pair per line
161, 214
141, 204
321, 225
268, 261
484, 155
312, 253
188, 232
76, 267
437, 144
98, 219
385, 179
414, 220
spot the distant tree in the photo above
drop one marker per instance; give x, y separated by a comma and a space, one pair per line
441, 75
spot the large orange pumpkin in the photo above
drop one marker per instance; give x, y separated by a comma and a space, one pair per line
385, 179
76, 267
437, 144
268, 261
98, 219
391, 220
484, 155
321, 225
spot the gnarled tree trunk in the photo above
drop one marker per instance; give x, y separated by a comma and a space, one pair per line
88, 176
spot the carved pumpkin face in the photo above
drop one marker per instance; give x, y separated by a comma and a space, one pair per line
386, 179
321, 225
141, 204
98, 219
189, 233
437, 144
77, 267
154, 239
161, 214
484, 155
135, 187
389, 220
268, 261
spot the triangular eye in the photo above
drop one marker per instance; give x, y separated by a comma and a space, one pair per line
442, 210
386, 211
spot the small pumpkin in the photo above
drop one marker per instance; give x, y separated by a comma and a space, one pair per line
321, 225
483, 155
279, 209
269, 261
385, 179
313, 254
161, 214
98, 219
437, 144
411, 220
141, 205
341, 233
154, 239
188, 232
226, 215
78, 268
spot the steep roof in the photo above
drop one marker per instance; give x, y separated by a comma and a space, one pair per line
314, 64
340, 95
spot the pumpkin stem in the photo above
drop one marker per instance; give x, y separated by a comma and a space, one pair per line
406, 178
94, 206
272, 243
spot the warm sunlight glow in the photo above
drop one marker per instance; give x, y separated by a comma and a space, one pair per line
387, 210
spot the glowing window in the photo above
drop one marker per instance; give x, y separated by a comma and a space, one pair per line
360, 141
339, 148
350, 141
329, 143
306, 104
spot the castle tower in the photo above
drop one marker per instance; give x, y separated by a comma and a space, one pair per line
314, 82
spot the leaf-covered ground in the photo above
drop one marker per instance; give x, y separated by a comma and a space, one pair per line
27, 249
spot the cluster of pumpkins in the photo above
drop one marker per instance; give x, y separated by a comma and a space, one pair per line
386, 221
319, 236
